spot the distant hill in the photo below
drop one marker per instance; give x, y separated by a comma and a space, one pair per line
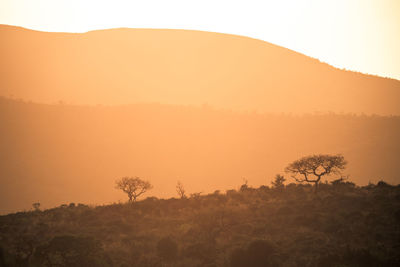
123, 66
56, 154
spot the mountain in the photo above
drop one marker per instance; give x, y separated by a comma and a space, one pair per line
123, 66
60, 153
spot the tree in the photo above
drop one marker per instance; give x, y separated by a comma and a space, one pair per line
180, 190
312, 168
36, 206
244, 186
133, 186
278, 183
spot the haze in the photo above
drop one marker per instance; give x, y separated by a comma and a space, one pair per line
125, 66
177, 133
82, 110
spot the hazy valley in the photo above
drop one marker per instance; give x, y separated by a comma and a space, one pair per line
55, 154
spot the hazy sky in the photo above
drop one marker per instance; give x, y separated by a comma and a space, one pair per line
360, 35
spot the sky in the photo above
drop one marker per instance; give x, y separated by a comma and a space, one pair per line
358, 35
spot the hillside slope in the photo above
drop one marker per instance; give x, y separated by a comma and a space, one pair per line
56, 154
341, 225
123, 66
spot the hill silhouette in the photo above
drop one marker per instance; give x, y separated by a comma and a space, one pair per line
55, 154
123, 66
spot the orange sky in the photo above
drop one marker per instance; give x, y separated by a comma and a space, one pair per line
358, 35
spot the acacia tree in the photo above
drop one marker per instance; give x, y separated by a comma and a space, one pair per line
133, 187
311, 168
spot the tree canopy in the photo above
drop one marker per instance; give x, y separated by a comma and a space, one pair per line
311, 168
133, 187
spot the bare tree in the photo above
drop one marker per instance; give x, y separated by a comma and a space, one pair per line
180, 190
133, 187
311, 168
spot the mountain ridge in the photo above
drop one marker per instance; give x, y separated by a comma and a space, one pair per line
123, 65
201, 31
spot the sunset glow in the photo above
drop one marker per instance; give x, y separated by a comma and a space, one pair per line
212, 133
357, 35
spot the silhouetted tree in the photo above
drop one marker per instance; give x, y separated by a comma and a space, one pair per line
133, 187
278, 183
36, 206
312, 168
180, 190
244, 186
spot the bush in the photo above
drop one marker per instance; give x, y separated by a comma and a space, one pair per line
71, 251
167, 249
259, 253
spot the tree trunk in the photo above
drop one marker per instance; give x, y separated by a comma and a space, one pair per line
316, 183
316, 187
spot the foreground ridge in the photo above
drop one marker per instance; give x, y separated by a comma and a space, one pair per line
342, 225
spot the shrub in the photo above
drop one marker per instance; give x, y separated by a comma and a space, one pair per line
259, 253
167, 249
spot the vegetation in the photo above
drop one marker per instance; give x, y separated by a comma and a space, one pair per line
340, 224
206, 148
133, 187
180, 190
313, 168
284, 225
278, 182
